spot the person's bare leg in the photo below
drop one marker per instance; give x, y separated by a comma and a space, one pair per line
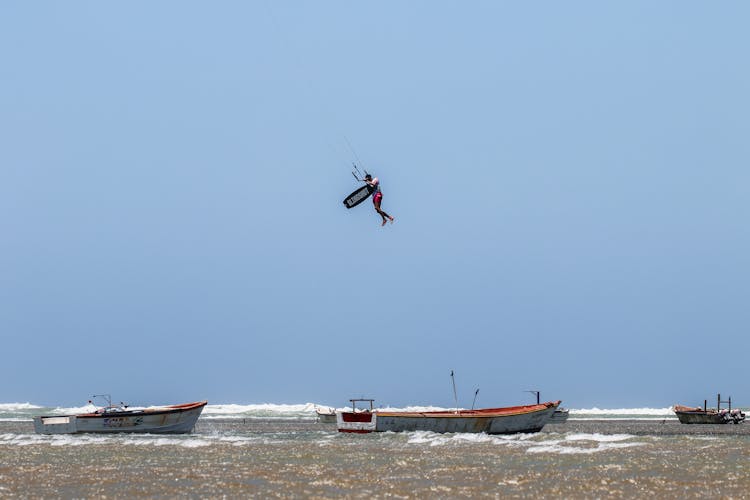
382, 214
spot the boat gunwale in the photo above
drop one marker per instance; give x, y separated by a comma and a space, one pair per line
697, 412
479, 413
131, 413
694, 410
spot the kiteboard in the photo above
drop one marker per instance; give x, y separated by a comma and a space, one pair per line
358, 196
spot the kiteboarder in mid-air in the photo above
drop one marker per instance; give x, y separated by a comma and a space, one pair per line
377, 197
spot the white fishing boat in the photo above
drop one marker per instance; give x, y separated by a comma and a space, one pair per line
325, 415
172, 419
560, 416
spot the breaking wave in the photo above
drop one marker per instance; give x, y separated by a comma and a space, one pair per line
564, 444
622, 414
26, 411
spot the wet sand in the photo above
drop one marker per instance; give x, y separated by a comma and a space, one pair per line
296, 458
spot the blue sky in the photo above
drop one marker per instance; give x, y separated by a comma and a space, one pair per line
569, 181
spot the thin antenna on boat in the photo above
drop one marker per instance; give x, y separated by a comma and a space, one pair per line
455, 395
106, 397
475, 398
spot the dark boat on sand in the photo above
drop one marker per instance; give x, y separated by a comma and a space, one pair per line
698, 415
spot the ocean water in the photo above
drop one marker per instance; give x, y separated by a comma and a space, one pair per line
269, 450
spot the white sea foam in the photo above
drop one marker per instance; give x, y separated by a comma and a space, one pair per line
74, 410
240, 440
601, 438
305, 410
72, 440
571, 450
185, 443
574, 443
417, 408
192, 441
657, 412
25, 411
533, 443
238, 408
436, 439
20, 439
17, 407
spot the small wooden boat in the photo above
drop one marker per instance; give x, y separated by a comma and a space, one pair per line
326, 415
509, 420
560, 416
173, 419
698, 415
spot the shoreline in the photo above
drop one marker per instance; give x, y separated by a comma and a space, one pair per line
635, 427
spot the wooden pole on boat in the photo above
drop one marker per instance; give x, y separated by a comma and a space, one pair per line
455, 395
537, 395
475, 398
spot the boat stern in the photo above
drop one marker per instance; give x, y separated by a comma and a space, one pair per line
55, 425
361, 422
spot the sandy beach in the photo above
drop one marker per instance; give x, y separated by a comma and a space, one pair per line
301, 458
